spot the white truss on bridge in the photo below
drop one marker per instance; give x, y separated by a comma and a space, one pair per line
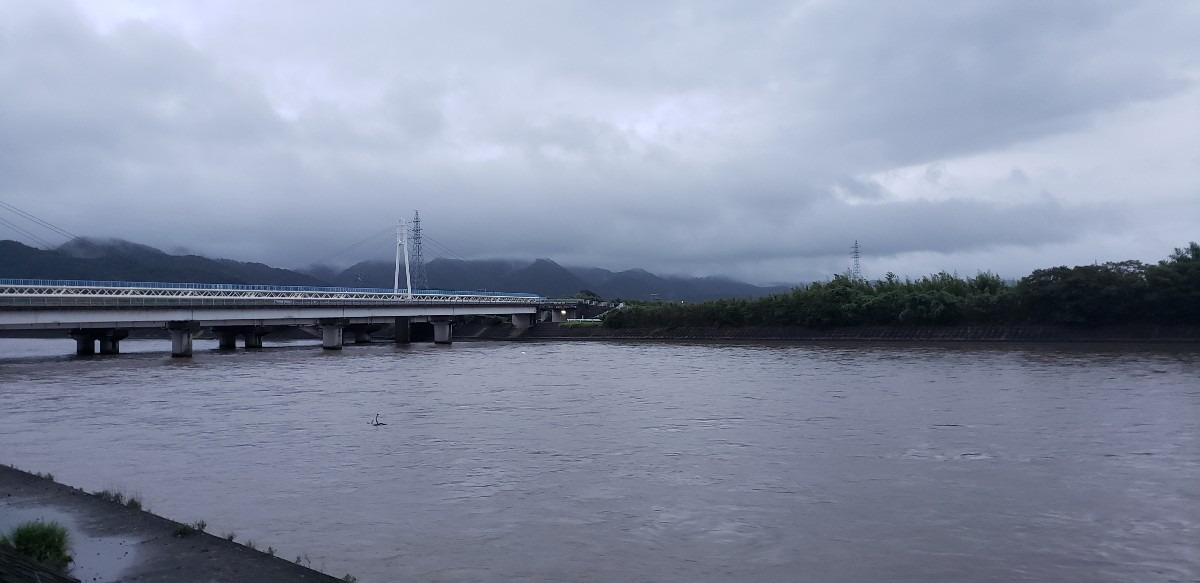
250, 294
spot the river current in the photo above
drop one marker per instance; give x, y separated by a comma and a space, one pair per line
601, 461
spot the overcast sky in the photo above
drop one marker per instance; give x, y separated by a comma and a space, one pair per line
757, 140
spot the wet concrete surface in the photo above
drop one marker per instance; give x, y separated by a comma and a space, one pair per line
111, 542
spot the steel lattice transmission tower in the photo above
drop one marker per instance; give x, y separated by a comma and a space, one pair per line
856, 266
419, 278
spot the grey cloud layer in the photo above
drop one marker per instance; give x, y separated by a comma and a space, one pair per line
681, 137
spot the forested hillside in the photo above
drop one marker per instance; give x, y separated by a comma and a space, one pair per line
117, 260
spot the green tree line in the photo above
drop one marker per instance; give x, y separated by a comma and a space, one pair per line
1088, 295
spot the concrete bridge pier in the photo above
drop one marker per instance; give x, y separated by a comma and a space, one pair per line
110, 341
443, 332
362, 332
109, 338
85, 343
252, 336
181, 337
522, 320
331, 333
403, 331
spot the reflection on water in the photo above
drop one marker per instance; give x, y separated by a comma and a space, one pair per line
663, 462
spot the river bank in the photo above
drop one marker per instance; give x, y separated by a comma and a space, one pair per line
1010, 333
115, 542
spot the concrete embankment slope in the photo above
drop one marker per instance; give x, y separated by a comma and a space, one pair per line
1134, 334
112, 542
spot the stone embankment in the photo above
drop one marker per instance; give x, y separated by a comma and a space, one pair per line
113, 542
1133, 334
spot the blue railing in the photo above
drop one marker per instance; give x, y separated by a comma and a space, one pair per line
244, 287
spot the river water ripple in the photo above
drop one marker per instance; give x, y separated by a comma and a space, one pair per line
642, 462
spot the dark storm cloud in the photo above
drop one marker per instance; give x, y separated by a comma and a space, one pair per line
684, 137
929, 80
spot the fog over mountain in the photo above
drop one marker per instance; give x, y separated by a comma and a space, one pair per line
120, 260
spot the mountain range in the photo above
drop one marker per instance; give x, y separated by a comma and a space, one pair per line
120, 260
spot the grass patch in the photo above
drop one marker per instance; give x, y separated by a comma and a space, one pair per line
251, 545
230, 536
348, 578
46, 542
583, 324
188, 529
271, 551
120, 497
112, 496
46, 475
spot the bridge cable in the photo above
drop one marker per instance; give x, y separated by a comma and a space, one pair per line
37, 240
386, 243
46, 224
445, 248
349, 248
443, 253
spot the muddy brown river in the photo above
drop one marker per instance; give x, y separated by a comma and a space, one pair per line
597, 461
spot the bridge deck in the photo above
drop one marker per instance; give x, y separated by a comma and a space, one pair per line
70, 303
12, 291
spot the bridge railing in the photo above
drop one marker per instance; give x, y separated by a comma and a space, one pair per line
42, 292
86, 283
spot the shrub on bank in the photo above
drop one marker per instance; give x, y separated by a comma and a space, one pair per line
1126, 292
45, 542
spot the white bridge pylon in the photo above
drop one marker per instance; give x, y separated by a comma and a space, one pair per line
402, 241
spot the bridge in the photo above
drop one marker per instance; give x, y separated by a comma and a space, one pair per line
104, 311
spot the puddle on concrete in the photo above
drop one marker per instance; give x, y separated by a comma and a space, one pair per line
97, 558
